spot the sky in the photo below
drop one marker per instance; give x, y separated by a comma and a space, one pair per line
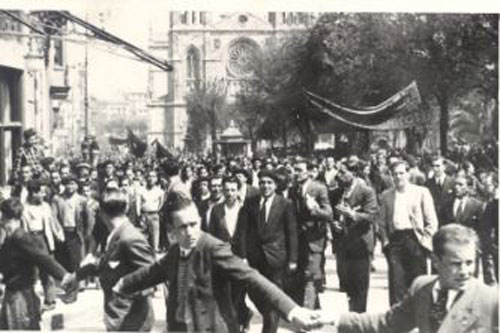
129, 19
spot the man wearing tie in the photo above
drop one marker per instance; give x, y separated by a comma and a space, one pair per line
453, 301
440, 186
310, 198
196, 303
462, 208
269, 233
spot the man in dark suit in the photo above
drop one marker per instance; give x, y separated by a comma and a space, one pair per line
406, 222
355, 208
246, 191
269, 231
440, 186
216, 197
126, 251
314, 211
461, 208
453, 301
225, 224
196, 303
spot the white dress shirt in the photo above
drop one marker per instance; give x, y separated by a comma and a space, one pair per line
269, 202
231, 216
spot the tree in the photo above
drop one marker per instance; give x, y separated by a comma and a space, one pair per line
206, 109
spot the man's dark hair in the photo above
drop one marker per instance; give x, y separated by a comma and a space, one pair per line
171, 168
29, 133
175, 202
394, 165
12, 208
113, 202
34, 186
453, 233
231, 179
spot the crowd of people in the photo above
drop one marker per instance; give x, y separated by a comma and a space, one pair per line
216, 231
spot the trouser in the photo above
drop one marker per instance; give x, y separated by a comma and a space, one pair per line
309, 267
153, 227
71, 255
238, 294
490, 267
354, 275
406, 259
48, 284
270, 316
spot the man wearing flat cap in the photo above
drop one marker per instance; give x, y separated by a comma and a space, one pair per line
269, 243
28, 154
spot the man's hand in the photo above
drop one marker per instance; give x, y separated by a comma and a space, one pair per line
311, 203
328, 317
292, 267
69, 282
344, 210
305, 319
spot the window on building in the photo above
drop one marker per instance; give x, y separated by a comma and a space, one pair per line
193, 17
193, 64
184, 17
203, 18
58, 52
271, 18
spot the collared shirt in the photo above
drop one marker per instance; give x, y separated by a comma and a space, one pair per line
69, 211
33, 217
150, 200
402, 210
269, 202
459, 205
185, 252
112, 233
303, 187
231, 216
452, 295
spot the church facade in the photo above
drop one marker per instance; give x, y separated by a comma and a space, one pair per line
203, 47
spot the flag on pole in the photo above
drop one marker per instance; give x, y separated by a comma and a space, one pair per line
136, 145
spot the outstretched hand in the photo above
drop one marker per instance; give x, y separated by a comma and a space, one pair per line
305, 319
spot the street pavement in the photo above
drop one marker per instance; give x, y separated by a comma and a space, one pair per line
87, 313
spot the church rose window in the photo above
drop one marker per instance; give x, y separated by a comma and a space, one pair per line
243, 59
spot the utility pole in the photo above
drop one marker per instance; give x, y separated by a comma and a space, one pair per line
86, 90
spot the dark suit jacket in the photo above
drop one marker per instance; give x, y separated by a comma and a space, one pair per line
276, 242
209, 302
312, 224
440, 194
469, 216
357, 238
475, 311
217, 227
126, 252
202, 210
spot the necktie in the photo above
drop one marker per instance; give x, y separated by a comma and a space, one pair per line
262, 213
438, 311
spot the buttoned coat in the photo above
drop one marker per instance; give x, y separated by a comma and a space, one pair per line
312, 223
126, 252
276, 239
209, 302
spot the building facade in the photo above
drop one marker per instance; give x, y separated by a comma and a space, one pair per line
206, 46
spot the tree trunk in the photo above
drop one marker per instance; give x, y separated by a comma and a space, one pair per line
444, 124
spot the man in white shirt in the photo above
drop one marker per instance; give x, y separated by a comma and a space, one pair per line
407, 221
149, 202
